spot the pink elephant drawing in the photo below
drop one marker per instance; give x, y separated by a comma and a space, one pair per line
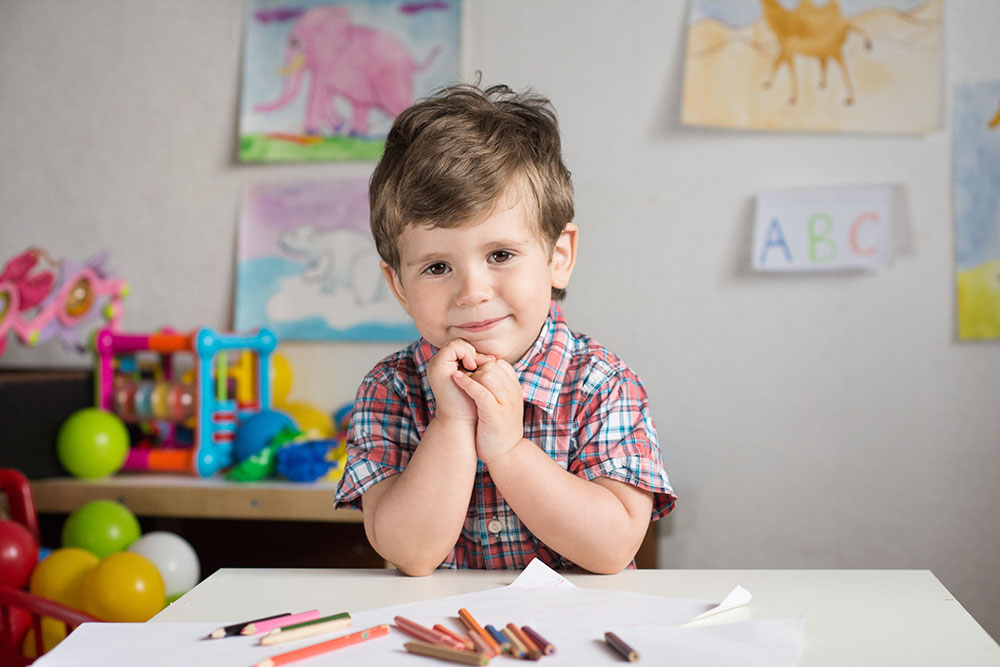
368, 68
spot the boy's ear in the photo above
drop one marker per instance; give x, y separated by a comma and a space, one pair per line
395, 285
564, 256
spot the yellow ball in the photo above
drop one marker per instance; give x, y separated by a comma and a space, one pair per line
61, 575
124, 588
53, 632
310, 420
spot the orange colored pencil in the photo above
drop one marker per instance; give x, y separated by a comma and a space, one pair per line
324, 647
474, 626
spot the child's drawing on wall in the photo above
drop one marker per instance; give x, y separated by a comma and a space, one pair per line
308, 269
977, 209
814, 65
324, 81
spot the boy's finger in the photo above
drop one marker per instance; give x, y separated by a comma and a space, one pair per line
476, 391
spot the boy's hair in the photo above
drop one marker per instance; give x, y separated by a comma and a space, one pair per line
450, 157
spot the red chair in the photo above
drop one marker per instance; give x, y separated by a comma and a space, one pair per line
14, 602
19, 500
20, 610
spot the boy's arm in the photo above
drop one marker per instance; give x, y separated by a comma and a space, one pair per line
413, 519
598, 524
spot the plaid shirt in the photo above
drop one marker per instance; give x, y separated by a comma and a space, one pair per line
582, 405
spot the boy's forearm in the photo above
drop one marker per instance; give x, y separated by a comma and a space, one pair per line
582, 520
416, 518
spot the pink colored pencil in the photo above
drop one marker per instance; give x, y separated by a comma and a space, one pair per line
426, 634
281, 621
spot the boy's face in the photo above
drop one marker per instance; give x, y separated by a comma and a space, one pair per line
488, 282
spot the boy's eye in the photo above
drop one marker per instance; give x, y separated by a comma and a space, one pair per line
437, 269
500, 256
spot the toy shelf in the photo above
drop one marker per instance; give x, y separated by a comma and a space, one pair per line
190, 497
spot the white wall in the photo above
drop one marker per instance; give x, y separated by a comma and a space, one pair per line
807, 422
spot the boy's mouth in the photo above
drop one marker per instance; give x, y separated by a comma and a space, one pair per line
483, 325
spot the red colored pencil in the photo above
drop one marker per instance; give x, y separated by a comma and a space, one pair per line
426, 634
469, 646
324, 647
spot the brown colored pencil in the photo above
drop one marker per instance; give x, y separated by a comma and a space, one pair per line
546, 647
445, 653
616, 642
534, 653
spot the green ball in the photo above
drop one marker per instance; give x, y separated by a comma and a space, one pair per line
92, 443
102, 527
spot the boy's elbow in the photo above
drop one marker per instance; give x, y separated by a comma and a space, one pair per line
610, 564
416, 568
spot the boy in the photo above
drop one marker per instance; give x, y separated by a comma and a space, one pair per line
500, 435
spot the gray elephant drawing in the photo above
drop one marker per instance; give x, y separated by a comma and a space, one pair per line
341, 258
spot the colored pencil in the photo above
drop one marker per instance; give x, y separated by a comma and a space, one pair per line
324, 647
444, 653
428, 635
498, 638
616, 642
307, 629
236, 628
544, 645
480, 644
469, 646
516, 647
534, 653
258, 627
474, 626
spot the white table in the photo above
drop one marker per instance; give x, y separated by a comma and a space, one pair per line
852, 617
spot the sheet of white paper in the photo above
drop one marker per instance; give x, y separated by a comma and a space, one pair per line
539, 575
574, 619
738, 597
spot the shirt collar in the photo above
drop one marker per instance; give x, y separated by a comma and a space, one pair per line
540, 370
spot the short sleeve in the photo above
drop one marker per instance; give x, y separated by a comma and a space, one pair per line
381, 439
616, 438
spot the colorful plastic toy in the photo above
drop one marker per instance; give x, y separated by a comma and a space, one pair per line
191, 423
18, 554
124, 588
37, 305
102, 527
92, 443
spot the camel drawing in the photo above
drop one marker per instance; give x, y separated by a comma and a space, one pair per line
809, 30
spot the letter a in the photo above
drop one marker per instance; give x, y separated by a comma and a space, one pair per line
774, 237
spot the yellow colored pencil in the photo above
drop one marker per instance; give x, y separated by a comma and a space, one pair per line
445, 653
308, 629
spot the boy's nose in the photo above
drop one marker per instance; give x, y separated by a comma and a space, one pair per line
475, 287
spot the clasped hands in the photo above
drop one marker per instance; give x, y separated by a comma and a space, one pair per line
481, 390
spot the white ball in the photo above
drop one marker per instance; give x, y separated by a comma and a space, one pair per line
173, 556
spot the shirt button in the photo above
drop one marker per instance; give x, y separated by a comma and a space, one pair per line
495, 526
